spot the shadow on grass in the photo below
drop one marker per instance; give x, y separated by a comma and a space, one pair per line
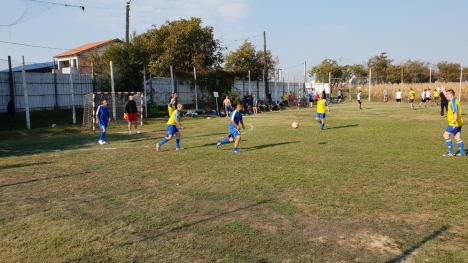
263, 146
42, 179
207, 135
200, 221
408, 252
342, 127
21, 165
56, 142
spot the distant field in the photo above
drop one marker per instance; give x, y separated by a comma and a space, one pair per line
372, 187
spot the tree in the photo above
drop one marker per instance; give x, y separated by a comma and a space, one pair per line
327, 66
379, 65
393, 73
415, 71
357, 71
243, 59
271, 62
184, 44
246, 58
128, 62
448, 72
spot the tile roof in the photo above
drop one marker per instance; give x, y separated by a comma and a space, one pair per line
86, 47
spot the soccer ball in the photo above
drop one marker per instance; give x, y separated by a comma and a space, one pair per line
295, 125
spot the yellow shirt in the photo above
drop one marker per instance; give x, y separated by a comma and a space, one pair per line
454, 108
175, 117
321, 105
436, 94
412, 95
170, 109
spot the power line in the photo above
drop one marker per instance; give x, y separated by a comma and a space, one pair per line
59, 4
29, 45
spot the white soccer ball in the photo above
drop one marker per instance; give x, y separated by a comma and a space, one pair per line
295, 125
53, 125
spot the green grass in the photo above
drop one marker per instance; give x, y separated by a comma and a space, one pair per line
371, 188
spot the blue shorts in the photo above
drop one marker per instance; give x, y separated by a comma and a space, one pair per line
320, 115
228, 109
102, 126
171, 130
233, 133
453, 130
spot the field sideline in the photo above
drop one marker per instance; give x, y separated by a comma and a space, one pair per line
372, 187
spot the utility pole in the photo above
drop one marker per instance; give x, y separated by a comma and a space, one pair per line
265, 69
430, 74
127, 22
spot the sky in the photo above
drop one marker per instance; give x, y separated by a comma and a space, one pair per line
349, 31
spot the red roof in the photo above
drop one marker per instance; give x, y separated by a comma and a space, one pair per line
86, 47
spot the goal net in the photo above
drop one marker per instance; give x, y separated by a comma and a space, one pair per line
116, 103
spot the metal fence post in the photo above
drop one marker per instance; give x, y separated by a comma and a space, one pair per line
26, 98
72, 92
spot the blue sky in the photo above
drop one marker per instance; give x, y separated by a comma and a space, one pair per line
347, 30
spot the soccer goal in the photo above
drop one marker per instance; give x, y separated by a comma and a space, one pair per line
116, 103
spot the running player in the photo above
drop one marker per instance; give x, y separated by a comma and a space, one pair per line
173, 126
322, 106
359, 99
436, 96
412, 97
455, 122
398, 96
102, 116
234, 129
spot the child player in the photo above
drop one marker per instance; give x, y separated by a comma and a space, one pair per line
102, 117
234, 129
173, 124
359, 99
455, 122
322, 106
412, 97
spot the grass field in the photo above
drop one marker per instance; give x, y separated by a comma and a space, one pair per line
373, 187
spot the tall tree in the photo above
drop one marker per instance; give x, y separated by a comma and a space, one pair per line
448, 72
327, 66
183, 44
246, 58
415, 71
379, 65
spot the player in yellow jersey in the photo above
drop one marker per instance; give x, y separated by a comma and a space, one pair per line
436, 96
412, 97
173, 124
171, 107
455, 123
322, 106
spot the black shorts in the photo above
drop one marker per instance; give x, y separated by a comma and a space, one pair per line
359, 101
398, 100
423, 100
411, 100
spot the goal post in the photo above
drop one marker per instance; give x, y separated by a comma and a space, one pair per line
91, 102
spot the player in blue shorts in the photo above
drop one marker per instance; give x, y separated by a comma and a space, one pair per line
455, 123
172, 129
227, 106
102, 117
322, 106
234, 129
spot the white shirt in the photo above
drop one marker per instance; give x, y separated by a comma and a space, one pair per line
428, 94
423, 95
398, 94
359, 96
